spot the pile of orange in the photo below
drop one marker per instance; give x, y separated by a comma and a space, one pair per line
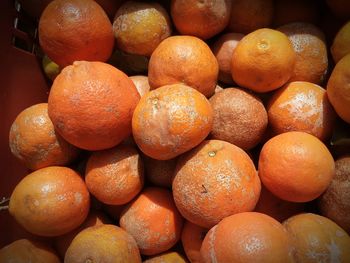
222, 150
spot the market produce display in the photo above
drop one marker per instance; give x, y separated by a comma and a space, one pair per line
184, 131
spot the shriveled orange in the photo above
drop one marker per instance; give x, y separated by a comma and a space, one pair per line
317, 239
341, 43
311, 52
334, 203
192, 237
184, 59
115, 176
289, 11
95, 218
263, 60
160, 172
71, 30
141, 84
139, 27
338, 90
34, 141
301, 106
51, 201
25, 250
153, 220
296, 166
239, 118
223, 49
103, 243
215, 180
250, 15
208, 18
247, 237
171, 120
277, 208
91, 105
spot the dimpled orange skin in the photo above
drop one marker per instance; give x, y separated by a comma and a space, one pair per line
34, 141
296, 166
301, 106
139, 27
192, 237
223, 49
25, 250
104, 243
247, 237
50, 201
207, 17
311, 52
171, 120
338, 88
263, 60
115, 176
184, 59
71, 30
91, 105
240, 118
317, 239
215, 180
153, 220
95, 218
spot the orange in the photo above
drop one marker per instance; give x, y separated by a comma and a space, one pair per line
94, 218
104, 243
171, 120
184, 59
289, 11
334, 202
296, 166
141, 84
192, 237
311, 52
115, 176
71, 30
240, 118
341, 43
160, 172
91, 105
153, 220
249, 15
223, 49
277, 208
317, 239
214, 180
341, 8
34, 141
301, 106
139, 27
247, 237
338, 90
263, 60
167, 257
25, 250
203, 19
51, 201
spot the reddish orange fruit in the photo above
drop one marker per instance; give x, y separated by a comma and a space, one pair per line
247, 237
296, 166
34, 141
51, 201
153, 220
91, 105
184, 59
71, 30
225, 182
171, 120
